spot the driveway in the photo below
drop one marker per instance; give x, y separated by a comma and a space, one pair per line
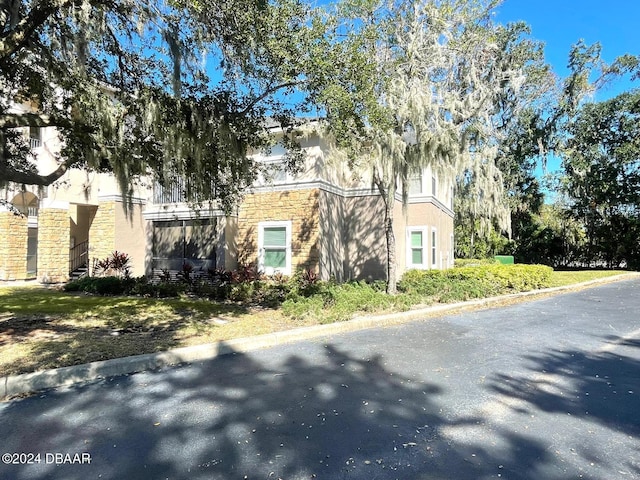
548, 389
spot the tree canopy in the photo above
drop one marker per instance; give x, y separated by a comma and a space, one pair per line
602, 178
177, 89
412, 84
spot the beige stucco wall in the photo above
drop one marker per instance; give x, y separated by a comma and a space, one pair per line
230, 243
130, 235
430, 216
13, 249
301, 207
54, 226
353, 244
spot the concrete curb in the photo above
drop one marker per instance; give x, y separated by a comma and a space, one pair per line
64, 376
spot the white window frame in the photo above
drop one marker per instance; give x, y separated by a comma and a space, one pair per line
434, 247
409, 249
271, 162
416, 176
273, 159
434, 185
34, 135
261, 248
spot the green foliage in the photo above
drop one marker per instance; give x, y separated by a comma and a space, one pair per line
602, 179
464, 283
471, 241
117, 264
98, 285
113, 285
338, 302
474, 262
125, 85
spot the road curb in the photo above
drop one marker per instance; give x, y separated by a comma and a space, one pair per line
33, 382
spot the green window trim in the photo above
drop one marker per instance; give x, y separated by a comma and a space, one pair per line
416, 247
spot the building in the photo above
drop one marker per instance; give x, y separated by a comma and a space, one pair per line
320, 219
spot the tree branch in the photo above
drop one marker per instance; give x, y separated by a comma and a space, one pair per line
18, 37
8, 174
268, 92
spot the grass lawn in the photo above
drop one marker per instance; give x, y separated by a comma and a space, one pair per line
44, 328
562, 278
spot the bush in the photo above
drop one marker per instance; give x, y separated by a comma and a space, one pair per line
99, 285
474, 262
124, 286
336, 302
117, 264
463, 283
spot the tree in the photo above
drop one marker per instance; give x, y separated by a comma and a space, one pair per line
411, 84
147, 88
602, 178
537, 128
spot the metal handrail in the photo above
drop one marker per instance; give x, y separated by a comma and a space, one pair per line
78, 255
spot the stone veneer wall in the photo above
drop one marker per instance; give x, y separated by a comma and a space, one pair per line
102, 233
299, 206
54, 230
13, 249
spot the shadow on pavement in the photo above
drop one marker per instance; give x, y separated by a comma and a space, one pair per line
235, 418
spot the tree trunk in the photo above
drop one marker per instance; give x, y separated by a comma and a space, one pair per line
391, 247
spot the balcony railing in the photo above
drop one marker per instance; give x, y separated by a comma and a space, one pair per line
174, 192
28, 211
35, 142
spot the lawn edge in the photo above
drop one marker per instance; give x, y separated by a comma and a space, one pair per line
27, 383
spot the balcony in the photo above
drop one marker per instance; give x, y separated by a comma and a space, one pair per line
175, 192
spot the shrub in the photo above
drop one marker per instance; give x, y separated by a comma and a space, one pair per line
336, 302
474, 262
124, 286
303, 307
422, 282
117, 264
186, 273
463, 283
98, 285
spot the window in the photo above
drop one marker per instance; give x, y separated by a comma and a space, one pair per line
415, 184
35, 137
416, 247
434, 258
276, 172
274, 244
434, 186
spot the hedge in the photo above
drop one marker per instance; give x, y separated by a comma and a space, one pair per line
475, 282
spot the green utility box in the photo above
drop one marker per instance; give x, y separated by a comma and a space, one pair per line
504, 259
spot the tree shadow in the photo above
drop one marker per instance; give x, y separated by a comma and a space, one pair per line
328, 415
42, 329
601, 386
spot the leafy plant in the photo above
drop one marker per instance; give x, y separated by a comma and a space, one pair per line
117, 264
186, 273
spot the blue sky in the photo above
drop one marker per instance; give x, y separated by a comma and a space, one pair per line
561, 23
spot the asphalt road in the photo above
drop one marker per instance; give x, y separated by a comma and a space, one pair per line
548, 389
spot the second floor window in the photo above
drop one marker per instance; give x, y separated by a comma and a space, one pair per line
415, 184
35, 137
